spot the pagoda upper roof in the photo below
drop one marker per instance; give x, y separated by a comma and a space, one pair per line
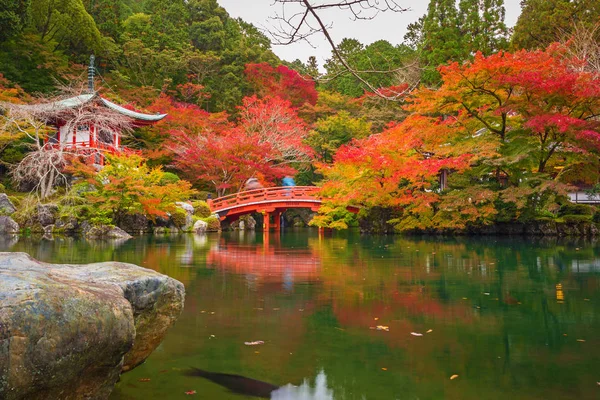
77, 101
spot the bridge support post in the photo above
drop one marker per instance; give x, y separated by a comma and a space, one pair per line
266, 221
277, 220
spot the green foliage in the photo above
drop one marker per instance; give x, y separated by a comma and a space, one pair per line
380, 57
128, 186
13, 16
168, 178
575, 209
574, 219
201, 209
178, 217
447, 33
334, 216
545, 21
332, 132
213, 222
26, 214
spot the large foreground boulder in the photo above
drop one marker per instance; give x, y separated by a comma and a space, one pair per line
68, 331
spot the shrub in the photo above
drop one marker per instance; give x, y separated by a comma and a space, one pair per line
575, 209
178, 217
167, 178
201, 209
128, 186
573, 219
213, 223
26, 214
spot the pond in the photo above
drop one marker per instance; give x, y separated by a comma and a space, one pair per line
345, 316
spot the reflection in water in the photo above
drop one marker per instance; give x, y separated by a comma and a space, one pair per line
267, 262
305, 391
512, 318
236, 383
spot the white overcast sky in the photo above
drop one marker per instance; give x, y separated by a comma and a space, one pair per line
388, 26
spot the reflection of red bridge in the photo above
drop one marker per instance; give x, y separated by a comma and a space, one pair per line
269, 264
271, 202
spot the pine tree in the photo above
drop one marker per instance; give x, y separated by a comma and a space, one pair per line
493, 34
470, 25
545, 21
441, 38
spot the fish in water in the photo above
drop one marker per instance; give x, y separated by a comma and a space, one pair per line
236, 383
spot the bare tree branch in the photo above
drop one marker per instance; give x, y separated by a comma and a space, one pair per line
305, 21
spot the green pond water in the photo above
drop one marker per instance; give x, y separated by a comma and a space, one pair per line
487, 318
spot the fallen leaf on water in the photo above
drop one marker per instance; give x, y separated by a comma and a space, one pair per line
429, 331
464, 298
416, 334
144, 379
276, 309
384, 369
581, 340
375, 318
254, 343
257, 352
383, 328
453, 377
191, 392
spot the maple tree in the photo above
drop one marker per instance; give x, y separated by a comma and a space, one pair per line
267, 143
397, 168
182, 118
283, 82
509, 130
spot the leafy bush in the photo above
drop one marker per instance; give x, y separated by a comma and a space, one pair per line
575, 209
178, 217
596, 217
127, 185
201, 209
168, 178
572, 219
213, 223
26, 213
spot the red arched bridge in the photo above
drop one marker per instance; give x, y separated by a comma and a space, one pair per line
271, 202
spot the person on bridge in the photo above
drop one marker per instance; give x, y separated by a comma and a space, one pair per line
288, 181
252, 184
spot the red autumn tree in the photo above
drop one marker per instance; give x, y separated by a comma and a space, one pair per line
282, 82
266, 143
182, 118
397, 168
512, 128
537, 100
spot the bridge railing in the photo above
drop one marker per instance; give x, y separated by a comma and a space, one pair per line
264, 194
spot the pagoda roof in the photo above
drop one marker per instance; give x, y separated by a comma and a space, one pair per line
77, 101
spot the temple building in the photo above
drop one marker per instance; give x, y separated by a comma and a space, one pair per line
89, 139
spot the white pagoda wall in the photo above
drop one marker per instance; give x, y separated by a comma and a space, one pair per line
66, 136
